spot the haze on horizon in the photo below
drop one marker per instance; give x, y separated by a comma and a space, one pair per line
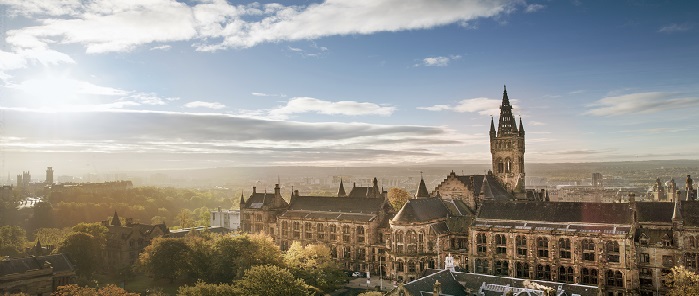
97, 86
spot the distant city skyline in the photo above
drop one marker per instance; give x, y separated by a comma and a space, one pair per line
102, 86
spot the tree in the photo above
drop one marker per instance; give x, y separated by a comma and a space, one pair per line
235, 254
84, 250
315, 266
204, 289
398, 197
75, 290
97, 230
51, 236
13, 240
682, 282
371, 293
184, 217
271, 280
43, 215
166, 258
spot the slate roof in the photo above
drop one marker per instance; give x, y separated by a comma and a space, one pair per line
59, 262
363, 192
425, 285
654, 236
421, 210
257, 200
559, 212
360, 209
493, 190
474, 281
661, 212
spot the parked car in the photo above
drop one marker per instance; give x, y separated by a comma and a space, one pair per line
356, 274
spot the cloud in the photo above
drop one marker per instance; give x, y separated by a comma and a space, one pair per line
300, 105
536, 123
641, 103
482, 106
162, 47
209, 105
107, 26
533, 8
438, 61
674, 28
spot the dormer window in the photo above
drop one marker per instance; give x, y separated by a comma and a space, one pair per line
643, 240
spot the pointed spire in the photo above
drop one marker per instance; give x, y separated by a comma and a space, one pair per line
521, 127
676, 213
422, 189
341, 191
242, 198
493, 133
38, 250
507, 124
115, 220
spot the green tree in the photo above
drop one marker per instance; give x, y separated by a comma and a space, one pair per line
271, 280
315, 266
201, 257
97, 230
184, 217
204, 289
681, 282
166, 258
235, 254
398, 197
51, 236
42, 216
75, 290
202, 215
84, 250
13, 240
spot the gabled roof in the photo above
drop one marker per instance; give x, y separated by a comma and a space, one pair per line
59, 262
258, 200
336, 204
580, 212
493, 189
421, 210
661, 212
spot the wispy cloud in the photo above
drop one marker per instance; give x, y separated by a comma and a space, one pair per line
162, 47
536, 123
482, 106
261, 94
107, 26
675, 27
533, 8
439, 61
208, 105
641, 103
300, 105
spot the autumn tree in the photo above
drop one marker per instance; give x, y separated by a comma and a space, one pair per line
165, 258
204, 289
398, 197
315, 266
235, 254
272, 280
75, 290
97, 230
681, 282
83, 250
51, 236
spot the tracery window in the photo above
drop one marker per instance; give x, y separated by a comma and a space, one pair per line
482, 266
564, 248
589, 276
308, 230
285, 229
500, 244
501, 166
297, 229
411, 266
360, 234
691, 261
565, 274
345, 233
347, 252
543, 272
320, 228
612, 248
501, 268
399, 236
400, 266
411, 241
481, 243
332, 228
522, 270
521, 244
361, 253
614, 279
588, 250
542, 247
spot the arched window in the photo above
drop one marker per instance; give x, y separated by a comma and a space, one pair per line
501, 268
522, 270
345, 233
508, 165
321, 231
347, 254
285, 229
308, 230
612, 248
614, 279
500, 244
564, 248
501, 166
400, 266
411, 241
297, 229
399, 236
542, 247
482, 266
588, 250
565, 274
481, 246
589, 276
411, 266
333, 232
521, 244
360, 234
543, 272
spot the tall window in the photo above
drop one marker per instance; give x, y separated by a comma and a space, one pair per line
589, 276
297, 229
644, 258
564, 248
333, 252
347, 252
411, 241
345, 233
360, 234
481, 243
521, 243
565, 274
321, 231
542, 247
612, 248
508, 164
500, 244
614, 278
501, 166
543, 272
399, 237
399, 266
332, 229
501, 268
411, 266
308, 230
522, 270
482, 266
691, 261
421, 242
285, 229
588, 250
361, 253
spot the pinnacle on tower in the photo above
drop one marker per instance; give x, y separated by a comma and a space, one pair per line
521, 127
493, 133
422, 190
115, 220
341, 191
242, 199
507, 124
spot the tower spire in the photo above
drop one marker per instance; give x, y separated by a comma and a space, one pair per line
493, 133
507, 124
341, 191
422, 189
115, 220
521, 127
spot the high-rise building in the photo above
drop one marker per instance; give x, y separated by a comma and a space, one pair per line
49, 175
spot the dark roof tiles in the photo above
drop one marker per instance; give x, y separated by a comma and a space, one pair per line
606, 213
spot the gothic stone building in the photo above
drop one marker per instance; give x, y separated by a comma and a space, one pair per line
490, 225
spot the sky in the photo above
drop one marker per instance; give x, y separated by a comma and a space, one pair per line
100, 86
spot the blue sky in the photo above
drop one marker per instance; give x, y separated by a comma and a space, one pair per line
149, 84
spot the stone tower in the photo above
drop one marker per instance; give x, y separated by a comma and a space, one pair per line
507, 148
